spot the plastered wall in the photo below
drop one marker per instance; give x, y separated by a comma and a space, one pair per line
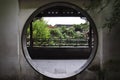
26, 8
9, 63
13, 65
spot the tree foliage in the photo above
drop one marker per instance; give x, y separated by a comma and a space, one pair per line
42, 31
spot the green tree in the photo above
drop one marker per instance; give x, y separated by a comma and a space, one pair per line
56, 33
71, 32
40, 31
85, 26
78, 27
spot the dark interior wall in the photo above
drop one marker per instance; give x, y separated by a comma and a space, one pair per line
9, 63
111, 58
28, 7
106, 63
28, 4
13, 65
110, 51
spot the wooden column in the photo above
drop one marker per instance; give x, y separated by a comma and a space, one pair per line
31, 35
90, 36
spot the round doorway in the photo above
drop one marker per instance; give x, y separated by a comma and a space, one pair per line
59, 40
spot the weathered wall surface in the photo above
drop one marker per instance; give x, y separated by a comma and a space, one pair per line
9, 63
111, 58
111, 52
27, 8
13, 65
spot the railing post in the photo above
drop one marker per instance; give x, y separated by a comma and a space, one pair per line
31, 35
90, 36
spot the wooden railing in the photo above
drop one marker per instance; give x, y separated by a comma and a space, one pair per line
71, 42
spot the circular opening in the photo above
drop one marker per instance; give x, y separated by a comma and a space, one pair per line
59, 40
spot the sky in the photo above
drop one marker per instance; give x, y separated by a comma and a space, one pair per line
64, 20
